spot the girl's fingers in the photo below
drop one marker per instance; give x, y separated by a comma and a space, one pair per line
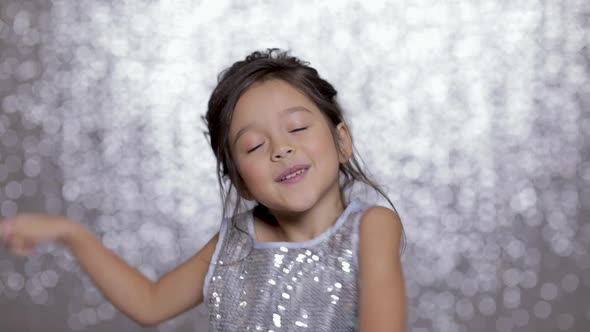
20, 247
22, 251
18, 243
5, 230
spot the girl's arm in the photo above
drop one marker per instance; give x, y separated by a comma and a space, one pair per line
144, 301
382, 294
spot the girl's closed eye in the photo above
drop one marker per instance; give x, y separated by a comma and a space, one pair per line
254, 148
298, 129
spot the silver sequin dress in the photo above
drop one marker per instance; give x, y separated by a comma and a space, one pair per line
285, 286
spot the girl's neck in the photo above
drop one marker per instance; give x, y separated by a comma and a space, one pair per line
297, 227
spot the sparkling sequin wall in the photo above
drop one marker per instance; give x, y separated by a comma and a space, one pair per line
474, 115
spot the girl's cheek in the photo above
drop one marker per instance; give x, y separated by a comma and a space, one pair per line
248, 167
317, 143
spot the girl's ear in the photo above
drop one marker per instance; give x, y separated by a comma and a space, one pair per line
344, 142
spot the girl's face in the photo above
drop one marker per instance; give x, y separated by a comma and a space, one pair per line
283, 148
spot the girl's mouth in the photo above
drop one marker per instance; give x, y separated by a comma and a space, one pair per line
293, 174
294, 177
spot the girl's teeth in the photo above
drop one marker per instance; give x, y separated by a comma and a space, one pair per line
293, 174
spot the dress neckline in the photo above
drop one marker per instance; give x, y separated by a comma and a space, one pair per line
300, 244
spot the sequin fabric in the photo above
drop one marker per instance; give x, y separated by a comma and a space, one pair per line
285, 286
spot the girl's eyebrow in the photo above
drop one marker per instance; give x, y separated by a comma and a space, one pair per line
295, 109
286, 111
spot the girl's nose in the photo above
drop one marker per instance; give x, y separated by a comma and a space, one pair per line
282, 152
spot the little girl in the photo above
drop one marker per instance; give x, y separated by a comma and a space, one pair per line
300, 255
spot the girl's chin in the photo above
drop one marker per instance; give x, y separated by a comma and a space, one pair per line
294, 206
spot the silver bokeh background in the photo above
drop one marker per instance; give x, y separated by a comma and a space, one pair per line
474, 115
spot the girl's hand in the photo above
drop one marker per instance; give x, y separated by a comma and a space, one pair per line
22, 233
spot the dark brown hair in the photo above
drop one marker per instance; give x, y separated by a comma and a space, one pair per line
234, 81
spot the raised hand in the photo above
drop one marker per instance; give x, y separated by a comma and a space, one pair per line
146, 302
22, 233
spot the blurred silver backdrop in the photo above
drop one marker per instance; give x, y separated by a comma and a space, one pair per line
474, 115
